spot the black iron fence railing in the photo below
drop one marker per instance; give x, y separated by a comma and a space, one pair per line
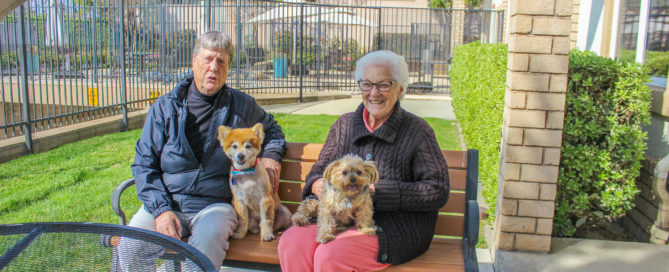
64, 61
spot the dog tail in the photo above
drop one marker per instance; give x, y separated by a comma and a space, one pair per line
282, 217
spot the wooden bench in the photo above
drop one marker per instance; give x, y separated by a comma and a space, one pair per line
456, 234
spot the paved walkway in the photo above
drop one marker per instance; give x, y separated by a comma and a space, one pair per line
423, 106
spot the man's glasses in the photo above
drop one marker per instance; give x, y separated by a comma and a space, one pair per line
383, 86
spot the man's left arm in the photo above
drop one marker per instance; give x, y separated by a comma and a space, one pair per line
273, 145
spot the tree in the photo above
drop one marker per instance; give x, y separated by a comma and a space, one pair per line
449, 3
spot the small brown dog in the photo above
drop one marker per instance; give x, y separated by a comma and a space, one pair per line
345, 199
257, 205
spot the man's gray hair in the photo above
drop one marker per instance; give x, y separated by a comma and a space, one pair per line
396, 63
214, 40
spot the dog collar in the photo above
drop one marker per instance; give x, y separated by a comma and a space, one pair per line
237, 173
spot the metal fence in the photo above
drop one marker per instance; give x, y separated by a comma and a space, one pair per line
63, 63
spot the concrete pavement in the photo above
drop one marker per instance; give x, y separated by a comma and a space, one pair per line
423, 106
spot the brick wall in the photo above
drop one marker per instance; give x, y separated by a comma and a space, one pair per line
533, 118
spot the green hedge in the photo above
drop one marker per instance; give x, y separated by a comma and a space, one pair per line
657, 62
478, 77
603, 144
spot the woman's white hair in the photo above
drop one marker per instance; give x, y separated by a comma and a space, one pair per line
214, 40
396, 63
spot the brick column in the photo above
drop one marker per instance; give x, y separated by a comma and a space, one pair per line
458, 23
533, 118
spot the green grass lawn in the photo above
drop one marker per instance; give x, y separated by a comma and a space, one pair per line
74, 182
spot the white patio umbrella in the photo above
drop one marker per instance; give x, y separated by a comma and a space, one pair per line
56, 36
340, 19
284, 12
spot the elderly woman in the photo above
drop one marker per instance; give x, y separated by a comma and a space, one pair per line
413, 179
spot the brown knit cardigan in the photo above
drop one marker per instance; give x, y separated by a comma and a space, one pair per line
413, 178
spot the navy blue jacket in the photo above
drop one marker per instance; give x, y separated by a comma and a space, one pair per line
166, 171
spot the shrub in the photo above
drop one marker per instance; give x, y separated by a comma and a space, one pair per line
657, 62
603, 144
478, 78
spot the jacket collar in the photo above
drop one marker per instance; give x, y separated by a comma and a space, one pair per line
181, 90
387, 132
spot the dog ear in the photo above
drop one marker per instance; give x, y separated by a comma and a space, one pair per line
370, 168
258, 130
329, 171
223, 132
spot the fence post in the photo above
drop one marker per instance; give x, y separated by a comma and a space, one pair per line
207, 15
301, 63
163, 50
319, 61
124, 99
27, 129
380, 39
239, 43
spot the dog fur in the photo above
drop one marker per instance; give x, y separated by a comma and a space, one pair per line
345, 199
258, 207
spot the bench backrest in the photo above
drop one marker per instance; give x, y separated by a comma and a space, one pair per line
300, 157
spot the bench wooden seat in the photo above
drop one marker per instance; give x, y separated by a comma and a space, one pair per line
456, 233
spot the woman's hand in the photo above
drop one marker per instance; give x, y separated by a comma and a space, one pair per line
317, 187
372, 190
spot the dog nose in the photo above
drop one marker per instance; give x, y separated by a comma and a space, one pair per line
352, 180
240, 157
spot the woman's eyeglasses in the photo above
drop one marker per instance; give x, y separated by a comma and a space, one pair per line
383, 86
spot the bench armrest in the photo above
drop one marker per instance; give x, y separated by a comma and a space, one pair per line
116, 199
471, 236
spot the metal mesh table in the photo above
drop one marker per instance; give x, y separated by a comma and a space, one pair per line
65, 246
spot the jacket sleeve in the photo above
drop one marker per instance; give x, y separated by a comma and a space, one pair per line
146, 168
275, 141
428, 192
328, 153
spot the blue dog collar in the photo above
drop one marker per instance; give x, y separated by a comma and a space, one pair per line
237, 173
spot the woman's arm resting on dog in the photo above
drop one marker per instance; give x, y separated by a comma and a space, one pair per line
428, 192
328, 154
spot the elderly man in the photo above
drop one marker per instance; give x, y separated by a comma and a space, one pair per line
180, 170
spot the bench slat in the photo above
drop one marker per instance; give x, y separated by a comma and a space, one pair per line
443, 255
295, 171
290, 191
253, 249
450, 225
302, 151
455, 159
298, 171
457, 179
455, 204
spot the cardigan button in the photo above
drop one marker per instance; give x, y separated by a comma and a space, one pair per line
368, 156
384, 257
379, 229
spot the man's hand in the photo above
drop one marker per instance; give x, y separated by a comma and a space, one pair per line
167, 223
317, 187
273, 170
372, 190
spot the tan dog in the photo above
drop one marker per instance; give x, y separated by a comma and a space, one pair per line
257, 205
345, 199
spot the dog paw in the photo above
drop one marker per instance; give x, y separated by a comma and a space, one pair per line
324, 237
239, 235
300, 220
254, 229
268, 236
368, 230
